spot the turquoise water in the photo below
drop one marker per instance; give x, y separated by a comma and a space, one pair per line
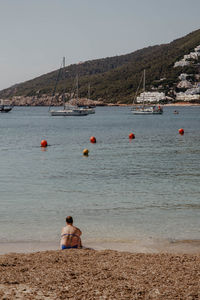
124, 190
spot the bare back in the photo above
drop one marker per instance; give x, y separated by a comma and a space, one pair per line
70, 236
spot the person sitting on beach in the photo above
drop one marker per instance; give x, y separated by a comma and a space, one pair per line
70, 235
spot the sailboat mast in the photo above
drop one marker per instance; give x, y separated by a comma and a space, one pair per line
89, 91
77, 89
63, 77
143, 87
57, 79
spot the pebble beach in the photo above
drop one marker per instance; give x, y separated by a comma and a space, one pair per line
89, 274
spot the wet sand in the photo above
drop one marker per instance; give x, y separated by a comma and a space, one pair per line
107, 274
149, 245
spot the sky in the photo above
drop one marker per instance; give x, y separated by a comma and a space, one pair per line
36, 34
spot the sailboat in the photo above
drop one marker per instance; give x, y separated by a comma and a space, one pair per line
144, 109
90, 109
68, 110
5, 107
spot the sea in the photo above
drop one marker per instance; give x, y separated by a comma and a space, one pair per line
133, 195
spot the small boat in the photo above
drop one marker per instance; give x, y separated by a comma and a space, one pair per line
68, 110
176, 112
144, 109
87, 108
148, 110
5, 107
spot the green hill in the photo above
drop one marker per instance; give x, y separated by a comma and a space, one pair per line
115, 79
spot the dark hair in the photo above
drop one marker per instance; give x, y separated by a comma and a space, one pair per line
69, 220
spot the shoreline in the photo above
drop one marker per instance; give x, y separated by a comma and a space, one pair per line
163, 105
147, 246
114, 104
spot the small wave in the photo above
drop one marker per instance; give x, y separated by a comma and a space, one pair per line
183, 206
188, 242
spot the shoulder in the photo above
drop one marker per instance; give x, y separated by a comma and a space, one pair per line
63, 230
78, 230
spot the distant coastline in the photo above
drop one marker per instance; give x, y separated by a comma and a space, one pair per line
48, 101
172, 74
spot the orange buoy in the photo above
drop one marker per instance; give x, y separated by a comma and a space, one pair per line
43, 143
181, 131
93, 140
131, 136
85, 152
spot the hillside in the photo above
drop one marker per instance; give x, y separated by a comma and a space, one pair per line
115, 79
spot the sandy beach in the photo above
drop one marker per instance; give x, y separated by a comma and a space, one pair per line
90, 274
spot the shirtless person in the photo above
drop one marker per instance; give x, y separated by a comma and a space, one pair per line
70, 235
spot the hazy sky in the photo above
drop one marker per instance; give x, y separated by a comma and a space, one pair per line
36, 34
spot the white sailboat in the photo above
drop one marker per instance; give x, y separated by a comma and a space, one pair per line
88, 108
144, 109
69, 110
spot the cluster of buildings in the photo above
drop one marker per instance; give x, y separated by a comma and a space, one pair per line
187, 98
186, 59
151, 97
191, 91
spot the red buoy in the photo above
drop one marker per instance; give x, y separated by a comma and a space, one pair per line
43, 143
181, 131
131, 136
93, 139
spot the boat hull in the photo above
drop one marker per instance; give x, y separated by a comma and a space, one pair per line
90, 110
153, 110
5, 110
146, 113
68, 113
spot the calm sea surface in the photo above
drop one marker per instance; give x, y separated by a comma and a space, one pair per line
123, 191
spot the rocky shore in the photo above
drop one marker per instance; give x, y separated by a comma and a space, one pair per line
46, 100
57, 100
90, 274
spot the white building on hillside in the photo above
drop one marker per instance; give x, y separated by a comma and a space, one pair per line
192, 55
185, 97
197, 49
152, 97
181, 63
183, 76
193, 91
184, 84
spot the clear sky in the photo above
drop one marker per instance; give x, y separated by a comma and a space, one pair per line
36, 34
